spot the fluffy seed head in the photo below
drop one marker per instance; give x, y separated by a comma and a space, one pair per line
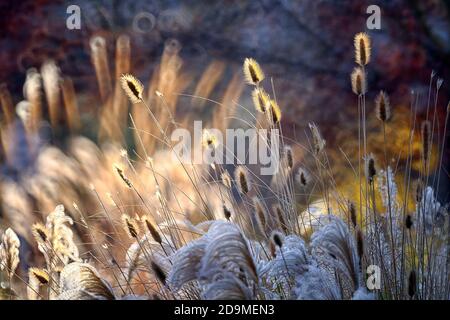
302, 177
318, 141
209, 140
122, 176
383, 107
39, 274
261, 214
226, 212
277, 238
252, 72
226, 179
362, 48
132, 87
289, 156
261, 99
40, 232
275, 111
242, 179
370, 168
358, 78
280, 217
152, 229
130, 226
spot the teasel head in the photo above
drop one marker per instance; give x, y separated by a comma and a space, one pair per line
360, 243
412, 284
383, 107
278, 211
226, 179
261, 100
289, 157
260, 214
426, 141
302, 178
132, 87
318, 141
275, 112
408, 222
209, 140
242, 179
122, 176
152, 229
358, 78
252, 72
370, 168
40, 233
130, 226
226, 212
362, 49
352, 211
158, 272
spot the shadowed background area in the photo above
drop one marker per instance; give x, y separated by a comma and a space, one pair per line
306, 46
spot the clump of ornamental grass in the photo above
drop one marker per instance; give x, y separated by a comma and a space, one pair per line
202, 239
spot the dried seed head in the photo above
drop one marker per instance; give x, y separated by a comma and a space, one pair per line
275, 112
426, 141
408, 222
226, 212
226, 179
40, 232
412, 283
280, 217
39, 274
360, 243
252, 72
318, 141
261, 99
159, 272
302, 177
261, 214
122, 176
352, 211
383, 107
362, 48
130, 226
9, 252
209, 140
152, 229
289, 156
242, 179
370, 168
277, 238
132, 87
358, 78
